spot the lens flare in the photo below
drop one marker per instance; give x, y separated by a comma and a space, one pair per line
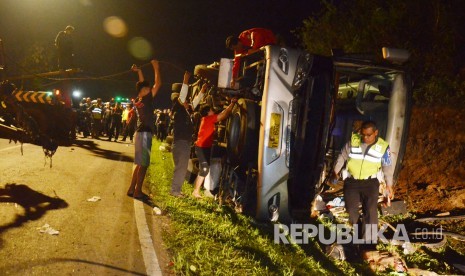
140, 48
115, 26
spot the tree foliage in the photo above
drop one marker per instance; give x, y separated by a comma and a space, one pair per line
433, 31
38, 58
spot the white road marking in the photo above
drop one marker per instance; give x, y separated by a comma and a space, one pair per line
13, 147
148, 251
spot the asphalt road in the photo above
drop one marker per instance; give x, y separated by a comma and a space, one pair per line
115, 235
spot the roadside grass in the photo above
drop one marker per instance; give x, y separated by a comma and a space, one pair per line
204, 238
207, 239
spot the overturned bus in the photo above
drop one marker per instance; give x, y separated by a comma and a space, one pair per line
294, 114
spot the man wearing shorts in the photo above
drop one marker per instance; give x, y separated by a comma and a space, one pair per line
144, 106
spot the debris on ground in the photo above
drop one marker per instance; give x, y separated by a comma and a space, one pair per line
156, 210
94, 199
47, 229
165, 147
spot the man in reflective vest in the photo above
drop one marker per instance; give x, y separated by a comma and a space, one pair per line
368, 160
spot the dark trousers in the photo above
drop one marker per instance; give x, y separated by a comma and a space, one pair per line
364, 192
114, 129
204, 156
181, 154
128, 131
96, 128
124, 129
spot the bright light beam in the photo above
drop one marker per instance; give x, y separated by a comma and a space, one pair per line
77, 93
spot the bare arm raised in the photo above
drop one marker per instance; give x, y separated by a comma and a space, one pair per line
199, 96
157, 76
184, 88
139, 72
225, 113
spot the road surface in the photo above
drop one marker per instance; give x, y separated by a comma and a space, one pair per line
115, 235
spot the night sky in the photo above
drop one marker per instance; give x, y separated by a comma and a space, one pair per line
180, 33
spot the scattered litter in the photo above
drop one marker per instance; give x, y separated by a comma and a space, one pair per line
94, 199
165, 147
320, 205
157, 210
408, 248
335, 251
48, 230
443, 214
399, 266
336, 202
336, 211
193, 268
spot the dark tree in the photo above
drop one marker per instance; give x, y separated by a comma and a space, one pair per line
433, 31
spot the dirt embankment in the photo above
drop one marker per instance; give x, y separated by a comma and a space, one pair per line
433, 174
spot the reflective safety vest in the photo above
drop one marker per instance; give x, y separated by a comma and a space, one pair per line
362, 166
97, 113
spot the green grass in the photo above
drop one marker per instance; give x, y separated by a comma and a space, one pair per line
204, 238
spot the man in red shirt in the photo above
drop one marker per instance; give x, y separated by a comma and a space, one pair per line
249, 41
204, 141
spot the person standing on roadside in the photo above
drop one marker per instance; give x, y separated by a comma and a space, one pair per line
204, 141
106, 120
115, 124
96, 111
124, 121
182, 137
368, 160
130, 123
144, 107
161, 125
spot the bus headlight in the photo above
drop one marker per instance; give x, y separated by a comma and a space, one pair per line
302, 71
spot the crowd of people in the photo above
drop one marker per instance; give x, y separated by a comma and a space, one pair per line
179, 122
112, 120
142, 122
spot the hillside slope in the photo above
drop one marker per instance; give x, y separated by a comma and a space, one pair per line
433, 174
